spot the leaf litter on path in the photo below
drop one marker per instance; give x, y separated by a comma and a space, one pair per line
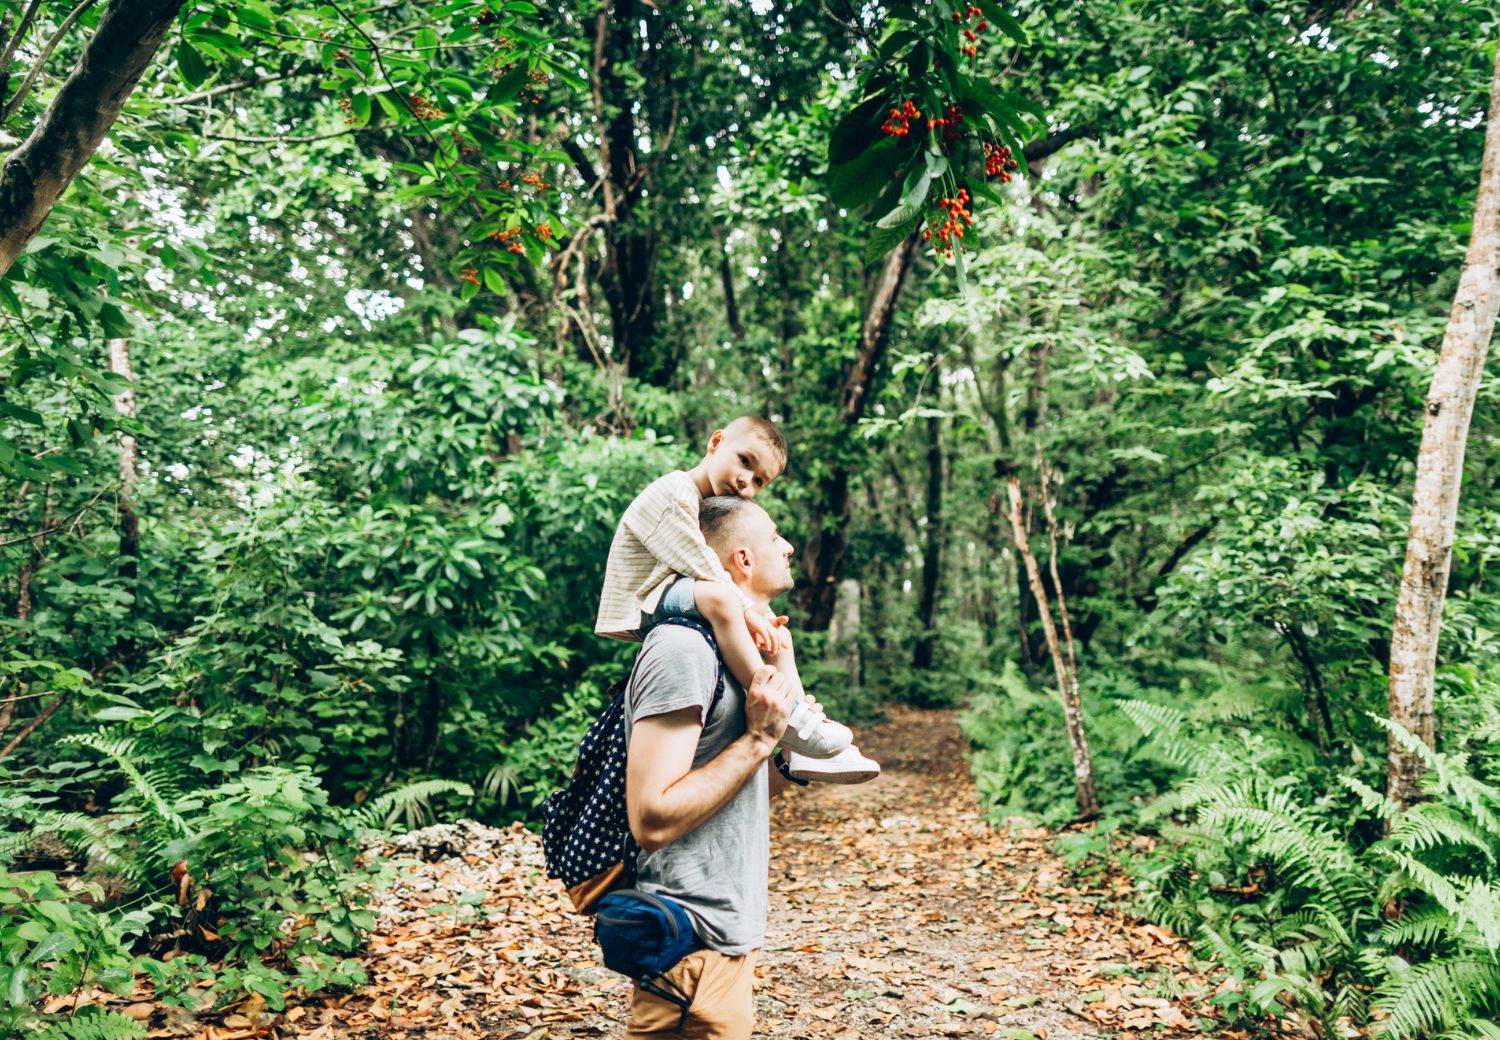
894, 910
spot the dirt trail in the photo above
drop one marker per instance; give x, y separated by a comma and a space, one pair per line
895, 911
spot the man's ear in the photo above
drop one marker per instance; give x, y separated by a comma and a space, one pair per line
741, 559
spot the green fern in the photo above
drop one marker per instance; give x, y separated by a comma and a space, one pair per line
1437, 996
91, 1023
411, 802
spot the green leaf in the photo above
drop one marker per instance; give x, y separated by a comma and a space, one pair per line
26, 415
896, 40
17, 994
856, 182
854, 132
190, 65
509, 85
427, 40
55, 945
918, 60
883, 240
361, 106
494, 282
1003, 20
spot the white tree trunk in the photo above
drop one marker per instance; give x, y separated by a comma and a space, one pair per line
842, 649
1440, 464
1078, 741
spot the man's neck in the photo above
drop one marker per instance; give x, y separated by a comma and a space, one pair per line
742, 582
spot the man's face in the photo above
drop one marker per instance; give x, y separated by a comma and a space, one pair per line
768, 556
741, 464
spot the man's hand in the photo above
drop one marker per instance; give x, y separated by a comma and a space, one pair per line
768, 702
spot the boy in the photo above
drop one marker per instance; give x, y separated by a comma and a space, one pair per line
659, 565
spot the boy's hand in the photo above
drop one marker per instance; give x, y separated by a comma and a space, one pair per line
762, 632
783, 634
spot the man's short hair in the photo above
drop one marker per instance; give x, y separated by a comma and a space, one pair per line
719, 518
765, 429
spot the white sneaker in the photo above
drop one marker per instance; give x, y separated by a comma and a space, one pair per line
808, 732
846, 767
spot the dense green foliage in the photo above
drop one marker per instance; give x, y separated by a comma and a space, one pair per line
381, 452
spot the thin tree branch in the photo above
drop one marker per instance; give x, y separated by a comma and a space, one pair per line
22, 28
286, 140
14, 104
256, 81
61, 524
35, 724
1038, 150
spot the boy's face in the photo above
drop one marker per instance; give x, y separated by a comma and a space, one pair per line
740, 464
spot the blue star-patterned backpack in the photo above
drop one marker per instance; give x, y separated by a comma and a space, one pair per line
586, 835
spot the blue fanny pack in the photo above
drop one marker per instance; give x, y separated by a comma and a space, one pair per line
643, 936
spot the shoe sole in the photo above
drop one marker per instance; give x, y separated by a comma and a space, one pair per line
851, 776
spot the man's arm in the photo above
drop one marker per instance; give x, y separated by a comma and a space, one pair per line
665, 797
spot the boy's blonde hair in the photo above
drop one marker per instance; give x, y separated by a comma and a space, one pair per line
765, 429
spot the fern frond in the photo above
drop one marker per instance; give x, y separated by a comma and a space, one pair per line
1428, 825
1422, 928
1435, 996
121, 750
384, 810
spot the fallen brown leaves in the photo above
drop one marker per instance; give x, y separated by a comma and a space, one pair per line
895, 910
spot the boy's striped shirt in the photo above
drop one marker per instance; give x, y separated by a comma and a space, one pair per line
658, 539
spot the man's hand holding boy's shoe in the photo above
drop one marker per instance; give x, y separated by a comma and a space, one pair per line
768, 704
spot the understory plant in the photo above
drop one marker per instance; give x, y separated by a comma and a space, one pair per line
1322, 900
213, 884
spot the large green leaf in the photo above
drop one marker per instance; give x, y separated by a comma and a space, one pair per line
856, 182
1003, 20
855, 130
883, 240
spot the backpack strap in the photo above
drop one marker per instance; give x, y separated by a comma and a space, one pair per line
707, 633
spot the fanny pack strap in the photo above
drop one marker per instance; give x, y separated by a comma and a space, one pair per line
655, 986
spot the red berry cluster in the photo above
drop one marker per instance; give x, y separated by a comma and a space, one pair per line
347, 107
535, 79
512, 239
971, 35
535, 180
424, 108
952, 119
997, 160
959, 217
470, 275
899, 123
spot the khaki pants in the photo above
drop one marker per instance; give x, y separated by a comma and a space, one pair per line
723, 1000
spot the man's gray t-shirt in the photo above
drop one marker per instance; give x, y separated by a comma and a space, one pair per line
718, 872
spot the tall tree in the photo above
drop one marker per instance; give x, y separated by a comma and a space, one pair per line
37, 173
932, 550
1440, 464
824, 559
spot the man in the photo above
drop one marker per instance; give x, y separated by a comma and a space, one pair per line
697, 791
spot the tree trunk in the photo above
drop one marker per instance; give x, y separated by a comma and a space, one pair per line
1440, 462
932, 551
628, 276
824, 559
842, 648
130, 536
1067, 681
86, 106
